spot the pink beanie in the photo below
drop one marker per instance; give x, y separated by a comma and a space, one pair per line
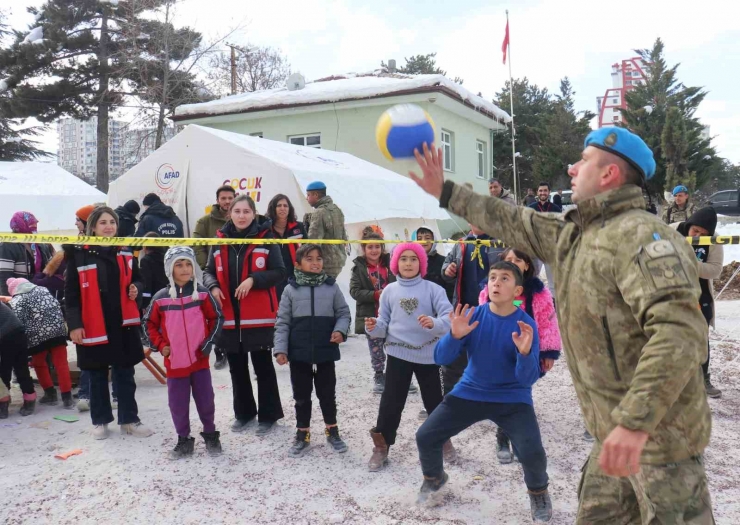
418, 249
14, 283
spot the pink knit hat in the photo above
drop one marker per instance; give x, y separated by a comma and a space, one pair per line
14, 283
418, 249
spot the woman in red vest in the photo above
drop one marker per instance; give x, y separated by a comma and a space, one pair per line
101, 289
285, 226
242, 279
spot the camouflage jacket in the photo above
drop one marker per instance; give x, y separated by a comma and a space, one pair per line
327, 222
673, 213
627, 290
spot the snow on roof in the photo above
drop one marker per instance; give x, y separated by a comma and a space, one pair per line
42, 178
335, 89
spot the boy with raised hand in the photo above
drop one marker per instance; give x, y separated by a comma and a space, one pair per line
503, 352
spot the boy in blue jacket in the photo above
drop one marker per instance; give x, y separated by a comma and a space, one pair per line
503, 351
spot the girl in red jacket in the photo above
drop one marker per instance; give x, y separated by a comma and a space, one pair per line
183, 323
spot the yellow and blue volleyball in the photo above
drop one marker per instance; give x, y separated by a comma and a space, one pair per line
402, 129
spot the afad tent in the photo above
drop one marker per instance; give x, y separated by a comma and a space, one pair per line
186, 171
52, 194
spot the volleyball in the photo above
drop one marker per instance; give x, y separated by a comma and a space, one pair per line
403, 128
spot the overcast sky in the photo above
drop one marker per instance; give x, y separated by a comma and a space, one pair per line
549, 40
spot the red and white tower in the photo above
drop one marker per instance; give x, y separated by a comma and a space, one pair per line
625, 76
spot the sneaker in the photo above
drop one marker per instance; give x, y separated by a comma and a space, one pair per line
587, 436
28, 408
712, 391
301, 443
336, 442
213, 443
240, 425
136, 430
431, 486
67, 401
114, 403
379, 383
221, 362
100, 431
185, 447
413, 389
83, 405
541, 506
503, 449
50, 397
423, 414
264, 428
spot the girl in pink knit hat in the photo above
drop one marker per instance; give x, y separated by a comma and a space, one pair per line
413, 316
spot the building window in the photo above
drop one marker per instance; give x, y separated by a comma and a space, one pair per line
616, 118
480, 148
448, 150
615, 101
312, 141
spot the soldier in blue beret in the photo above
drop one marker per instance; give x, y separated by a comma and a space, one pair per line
326, 222
626, 285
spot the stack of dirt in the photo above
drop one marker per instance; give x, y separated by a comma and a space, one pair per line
732, 291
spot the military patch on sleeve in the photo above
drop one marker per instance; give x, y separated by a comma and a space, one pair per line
661, 265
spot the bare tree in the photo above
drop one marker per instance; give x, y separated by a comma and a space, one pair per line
257, 68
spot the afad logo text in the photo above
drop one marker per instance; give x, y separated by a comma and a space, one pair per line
251, 186
166, 176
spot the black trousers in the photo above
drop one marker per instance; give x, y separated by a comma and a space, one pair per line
398, 375
268, 395
14, 358
452, 373
706, 310
303, 377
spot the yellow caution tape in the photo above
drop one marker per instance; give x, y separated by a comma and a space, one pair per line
41, 238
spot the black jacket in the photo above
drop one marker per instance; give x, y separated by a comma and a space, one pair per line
124, 347
247, 339
434, 273
152, 275
162, 220
17, 260
126, 222
9, 323
362, 291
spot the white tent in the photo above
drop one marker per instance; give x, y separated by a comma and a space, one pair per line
52, 194
186, 171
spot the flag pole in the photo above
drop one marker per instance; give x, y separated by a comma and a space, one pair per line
511, 98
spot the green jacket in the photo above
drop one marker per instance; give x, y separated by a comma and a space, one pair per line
206, 227
627, 291
672, 214
327, 222
361, 289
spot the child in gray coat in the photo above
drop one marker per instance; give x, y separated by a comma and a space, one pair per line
312, 320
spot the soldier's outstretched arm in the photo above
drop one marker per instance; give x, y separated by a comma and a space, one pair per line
523, 228
660, 283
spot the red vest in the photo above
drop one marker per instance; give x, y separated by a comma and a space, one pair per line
293, 232
92, 309
259, 308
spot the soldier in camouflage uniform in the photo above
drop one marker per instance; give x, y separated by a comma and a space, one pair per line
327, 222
626, 286
682, 207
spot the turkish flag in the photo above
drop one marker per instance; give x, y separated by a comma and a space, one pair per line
505, 45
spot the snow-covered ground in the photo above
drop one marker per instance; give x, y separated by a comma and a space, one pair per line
256, 482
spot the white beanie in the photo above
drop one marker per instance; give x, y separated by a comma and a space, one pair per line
177, 253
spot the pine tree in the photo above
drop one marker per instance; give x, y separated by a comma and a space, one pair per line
674, 144
70, 64
423, 65
562, 142
648, 106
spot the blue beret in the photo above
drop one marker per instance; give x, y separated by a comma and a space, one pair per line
316, 185
625, 144
679, 189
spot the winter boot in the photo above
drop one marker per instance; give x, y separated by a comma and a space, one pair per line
264, 428
379, 383
503, 449
184, 448
449, 453
50, 397
413, 389
380, 452
336, 442
240, 425
4, 408
541, 506
430, 487
423, 415
28, 408
83, 405
213, 442
712, 391
100, 431
67, 401
221, 361
301, 443
136, 430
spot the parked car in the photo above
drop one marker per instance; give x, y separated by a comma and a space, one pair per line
726, 202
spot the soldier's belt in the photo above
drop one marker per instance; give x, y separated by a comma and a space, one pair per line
166, 241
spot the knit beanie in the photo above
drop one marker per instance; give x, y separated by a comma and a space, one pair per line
177, 253
84, 213
705, 218
151, 198
132, 207
23, 222
14, 283
418, 249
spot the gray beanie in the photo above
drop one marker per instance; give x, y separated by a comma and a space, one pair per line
177, 253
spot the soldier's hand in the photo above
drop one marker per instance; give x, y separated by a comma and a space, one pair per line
451, 270
431, 164
621, 451
460, 321
523, 340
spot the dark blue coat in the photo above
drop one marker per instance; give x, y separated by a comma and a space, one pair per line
162, 220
